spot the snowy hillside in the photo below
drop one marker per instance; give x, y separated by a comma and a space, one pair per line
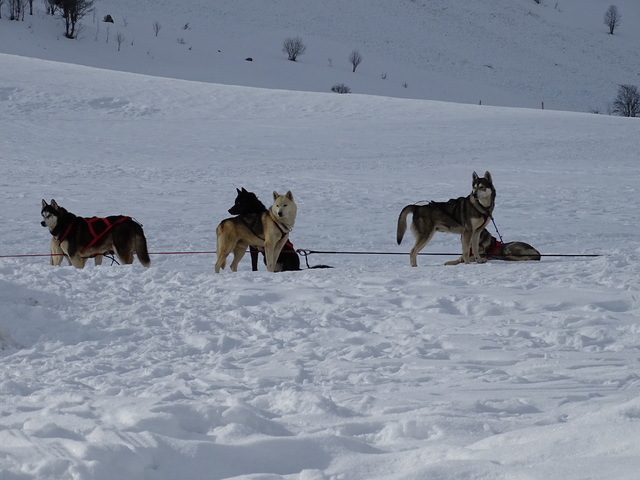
372, 370
498, 52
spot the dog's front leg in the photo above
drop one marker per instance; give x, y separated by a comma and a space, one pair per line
475, 246
269, 254
466, 245
272, 249
57, 255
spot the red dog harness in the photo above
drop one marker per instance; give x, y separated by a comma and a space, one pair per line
106, 225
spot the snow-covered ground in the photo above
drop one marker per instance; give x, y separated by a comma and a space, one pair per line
372, 370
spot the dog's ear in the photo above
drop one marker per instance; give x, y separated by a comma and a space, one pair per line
54, 204
475, 176
244, 190
238, 190
44, 203
289, 195
275, 194
487, 176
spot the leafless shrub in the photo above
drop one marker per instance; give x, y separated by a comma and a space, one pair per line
340, 88
293, 47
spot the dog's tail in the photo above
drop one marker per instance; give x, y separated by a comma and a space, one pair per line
141, 246
402, 222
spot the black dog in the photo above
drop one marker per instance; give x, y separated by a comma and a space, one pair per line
248, 205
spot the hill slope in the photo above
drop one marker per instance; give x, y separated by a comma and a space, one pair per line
500, 52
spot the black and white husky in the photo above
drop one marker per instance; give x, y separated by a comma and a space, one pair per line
80, 238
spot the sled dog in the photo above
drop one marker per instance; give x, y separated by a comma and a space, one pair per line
491, 248
269, 230
80, 238
465, 216
247, 203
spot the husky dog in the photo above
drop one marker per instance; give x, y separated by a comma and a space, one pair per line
491, 248
465, 216
81, 238
269, 229
248, 203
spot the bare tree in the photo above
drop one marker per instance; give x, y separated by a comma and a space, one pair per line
1, 2
16, 9
612, 18
51, 6
627, 103
72, 12
355, 59
293, 47
120, 38
156, 27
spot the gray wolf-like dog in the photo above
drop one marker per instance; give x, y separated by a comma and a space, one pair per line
269, 230
464, 216
81, 238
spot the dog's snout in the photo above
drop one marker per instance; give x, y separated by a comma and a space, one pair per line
280, 214
43, 224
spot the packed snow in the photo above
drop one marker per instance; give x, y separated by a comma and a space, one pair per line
371, 370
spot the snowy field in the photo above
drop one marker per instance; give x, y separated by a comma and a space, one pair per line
372, 370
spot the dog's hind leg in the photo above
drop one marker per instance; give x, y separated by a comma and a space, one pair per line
419, 245
125, 255
423, 230
221, 262
223, 250
255, 254
141, 249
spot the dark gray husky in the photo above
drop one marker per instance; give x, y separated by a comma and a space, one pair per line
81, 238
465, 216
